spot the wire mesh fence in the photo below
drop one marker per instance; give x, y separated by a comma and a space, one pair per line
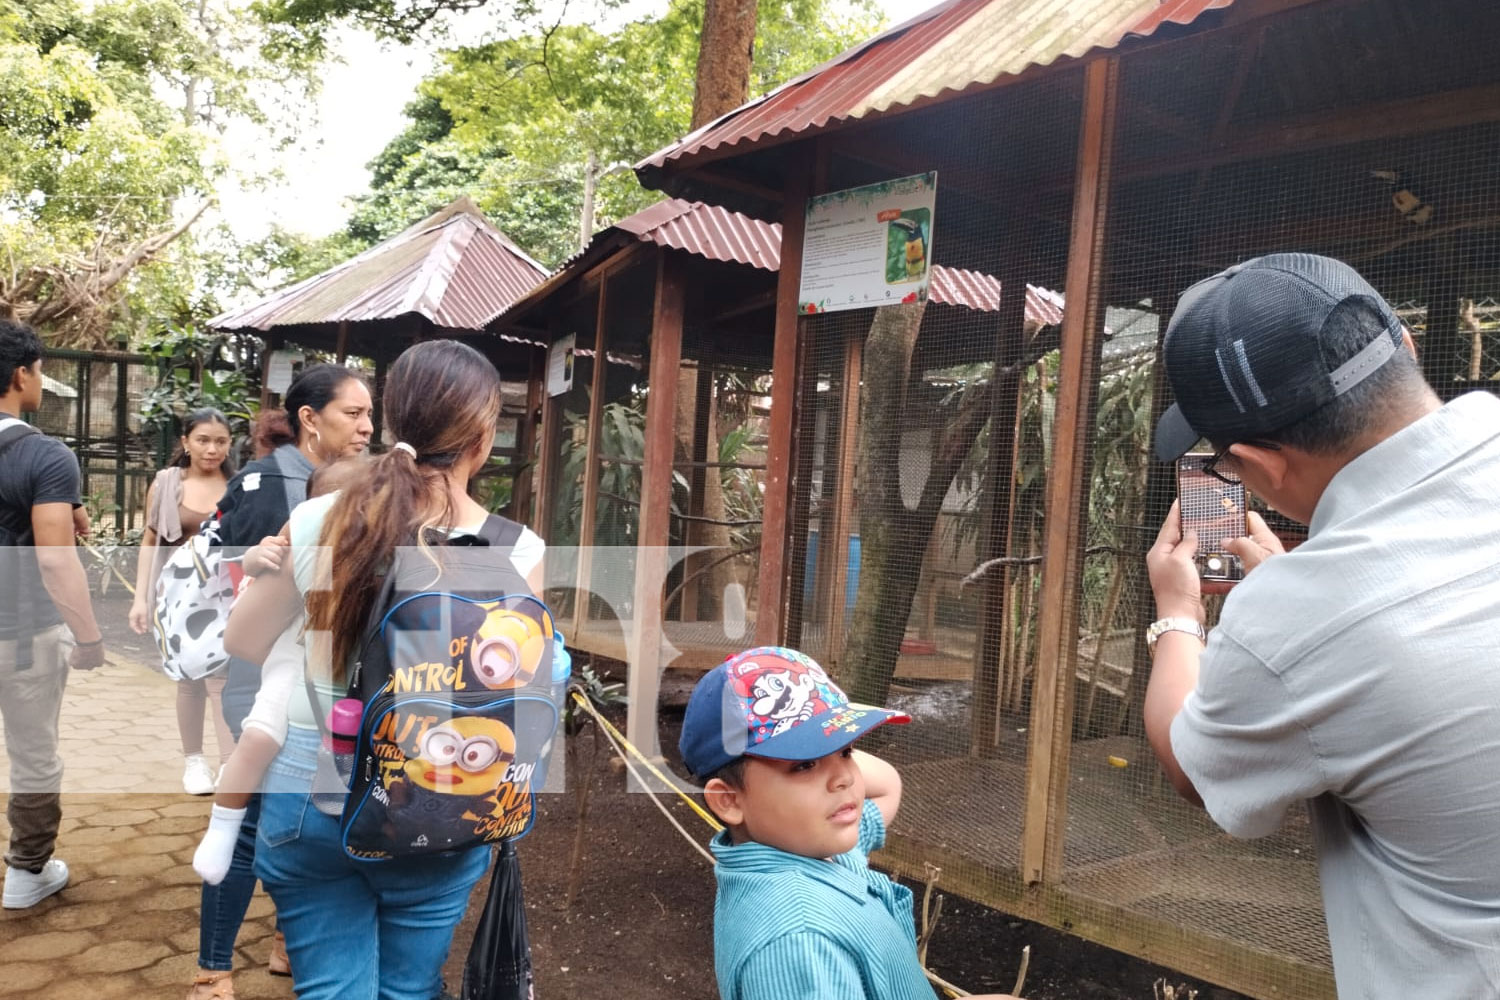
922, 533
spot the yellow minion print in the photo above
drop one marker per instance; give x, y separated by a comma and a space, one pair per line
508, 647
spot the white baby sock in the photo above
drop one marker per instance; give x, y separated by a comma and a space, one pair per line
216, 850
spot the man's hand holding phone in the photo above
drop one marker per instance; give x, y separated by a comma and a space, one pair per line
1256, 547
1174, 572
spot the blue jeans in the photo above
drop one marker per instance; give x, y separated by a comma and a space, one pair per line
355, 930
223, 906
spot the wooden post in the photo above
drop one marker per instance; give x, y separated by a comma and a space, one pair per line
1067, 487
591, 462
341, 346
377, 409
274, 342
547, 459
656, 503
703, 415
833, 539
771, 589
804, 435
523, 502
1161, 488
997, 515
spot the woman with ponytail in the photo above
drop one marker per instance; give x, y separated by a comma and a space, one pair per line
357, 928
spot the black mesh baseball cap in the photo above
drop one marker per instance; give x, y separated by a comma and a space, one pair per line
1244, 349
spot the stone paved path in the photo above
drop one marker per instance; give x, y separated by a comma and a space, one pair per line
127, 925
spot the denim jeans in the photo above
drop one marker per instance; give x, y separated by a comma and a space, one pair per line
355, 930
223, 906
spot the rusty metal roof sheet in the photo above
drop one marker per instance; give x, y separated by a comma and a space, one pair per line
716, 233
956, 45
455, 269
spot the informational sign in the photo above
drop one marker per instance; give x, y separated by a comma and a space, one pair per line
282, 368
868, 246
560, 365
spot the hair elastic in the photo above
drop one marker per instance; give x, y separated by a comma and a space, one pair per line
403, 446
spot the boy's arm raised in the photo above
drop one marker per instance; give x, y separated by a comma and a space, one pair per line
882, 784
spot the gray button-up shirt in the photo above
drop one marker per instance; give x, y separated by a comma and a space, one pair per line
1359, 672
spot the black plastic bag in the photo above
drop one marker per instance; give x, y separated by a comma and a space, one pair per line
499, 962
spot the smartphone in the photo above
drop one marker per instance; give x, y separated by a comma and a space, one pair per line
1216, 511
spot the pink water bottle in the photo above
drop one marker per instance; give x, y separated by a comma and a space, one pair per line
343, 734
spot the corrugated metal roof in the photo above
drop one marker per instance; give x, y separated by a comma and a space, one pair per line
716, 233
454, 268
952, 47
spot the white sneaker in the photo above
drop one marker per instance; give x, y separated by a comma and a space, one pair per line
24, 888
197, 776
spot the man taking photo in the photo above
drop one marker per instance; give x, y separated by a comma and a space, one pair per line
1356, 672
44, 595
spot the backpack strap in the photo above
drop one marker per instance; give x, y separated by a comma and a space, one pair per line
12, 430
500, 532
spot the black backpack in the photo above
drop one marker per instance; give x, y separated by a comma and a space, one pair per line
455, 676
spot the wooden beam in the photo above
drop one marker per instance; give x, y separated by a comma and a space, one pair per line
594, 429
1249, 51
771, 588
833, 541
547, 459
654, 535
995, 537
738, 184
804, 438
703, 417
522, 500
275, 341
1324, 129
1066, 515
341, 343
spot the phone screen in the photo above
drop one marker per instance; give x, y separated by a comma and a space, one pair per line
1216, 511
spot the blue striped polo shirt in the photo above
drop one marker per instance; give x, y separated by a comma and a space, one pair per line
788, 927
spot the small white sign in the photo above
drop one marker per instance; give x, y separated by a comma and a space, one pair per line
868, 246
282, 368
560, 365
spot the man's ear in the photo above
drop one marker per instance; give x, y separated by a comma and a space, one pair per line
724, 801
1408, 343
1265, 466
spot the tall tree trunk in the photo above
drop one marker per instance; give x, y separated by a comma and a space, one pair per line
725, 47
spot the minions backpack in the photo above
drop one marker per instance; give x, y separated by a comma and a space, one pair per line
456, 679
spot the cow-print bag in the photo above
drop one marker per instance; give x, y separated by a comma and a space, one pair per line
194, 593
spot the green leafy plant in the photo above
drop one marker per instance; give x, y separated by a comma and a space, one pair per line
193, 371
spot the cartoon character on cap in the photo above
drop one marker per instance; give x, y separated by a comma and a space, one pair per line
782, 688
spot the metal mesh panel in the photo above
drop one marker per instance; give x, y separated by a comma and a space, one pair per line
1205, 175
924, 431
919, 555
93, 404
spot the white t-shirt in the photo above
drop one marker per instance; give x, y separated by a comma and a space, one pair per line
306, 528
1359, 672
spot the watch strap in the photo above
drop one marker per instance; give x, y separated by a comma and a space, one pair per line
1162, 626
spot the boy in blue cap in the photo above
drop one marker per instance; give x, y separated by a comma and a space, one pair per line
799, 913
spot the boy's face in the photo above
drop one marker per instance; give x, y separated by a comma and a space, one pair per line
809, 807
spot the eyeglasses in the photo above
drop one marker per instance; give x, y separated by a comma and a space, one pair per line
1211, 463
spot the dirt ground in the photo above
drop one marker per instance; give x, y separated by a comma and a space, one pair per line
634, 918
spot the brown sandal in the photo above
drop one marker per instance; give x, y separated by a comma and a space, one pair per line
279, 964
211, 986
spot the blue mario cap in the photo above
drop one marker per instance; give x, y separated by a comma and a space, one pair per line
771, 702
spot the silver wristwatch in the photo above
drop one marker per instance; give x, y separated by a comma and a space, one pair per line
1191, 626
